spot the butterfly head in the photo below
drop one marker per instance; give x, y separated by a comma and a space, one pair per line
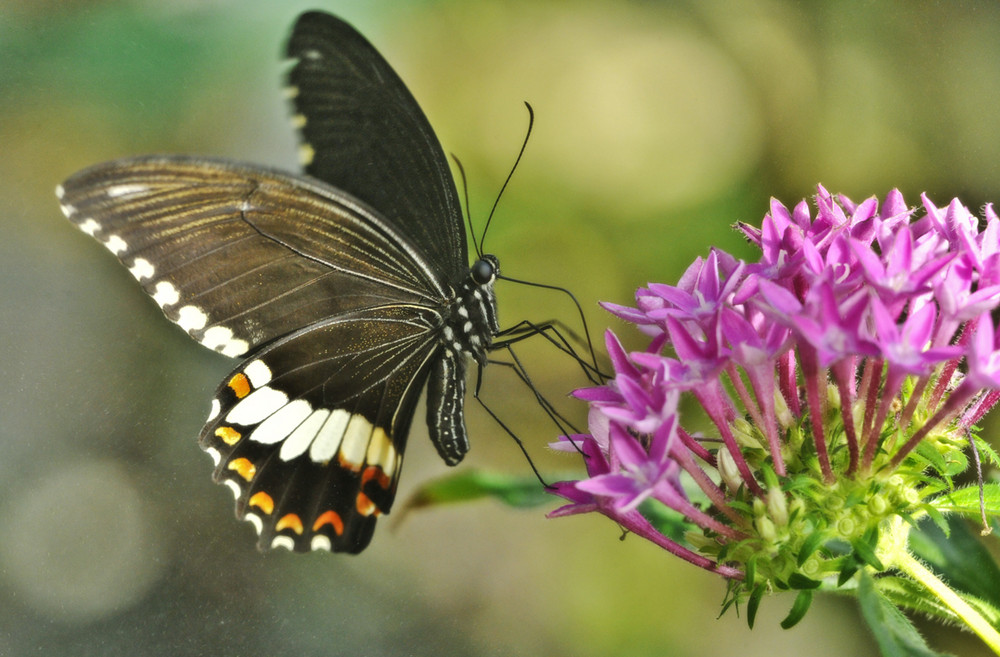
485, 270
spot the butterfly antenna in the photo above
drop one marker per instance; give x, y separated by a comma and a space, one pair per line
524, 144
468, 208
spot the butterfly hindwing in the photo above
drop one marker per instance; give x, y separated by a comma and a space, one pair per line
239, 256
364, 133
310, 433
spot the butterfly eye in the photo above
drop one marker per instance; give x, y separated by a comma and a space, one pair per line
483, 271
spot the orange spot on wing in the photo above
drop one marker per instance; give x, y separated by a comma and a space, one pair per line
240, 385
262, 501
228, 435
374, 473
289, 521
365, 505
331, 518
243, 467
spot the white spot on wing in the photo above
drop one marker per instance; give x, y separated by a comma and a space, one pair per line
298, 442
214, 412
291, 91
235, 348
166, 294
283, 422
286, 542
90, 226
221, 339
216, 337
258, 373
67, 209
233, 486
215, 454
257, 406
312, 53
381, 452
124, 190
321, 542
115, 244
191, 318
306, 154
60, 192
254, 519
142, 269
328, 439
299, 121
355, 444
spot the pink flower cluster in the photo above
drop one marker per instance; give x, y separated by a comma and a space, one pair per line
857, 334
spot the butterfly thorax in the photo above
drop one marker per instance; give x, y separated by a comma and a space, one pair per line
473, 320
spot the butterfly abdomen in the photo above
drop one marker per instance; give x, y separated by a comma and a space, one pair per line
468, 331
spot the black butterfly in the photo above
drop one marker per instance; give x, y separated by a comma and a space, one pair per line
346, 292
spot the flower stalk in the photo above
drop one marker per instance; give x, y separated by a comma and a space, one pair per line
896, 555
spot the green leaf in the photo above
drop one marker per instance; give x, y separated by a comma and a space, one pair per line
848, 570
965, 500
957, 463
753, 604
865, 553
938, 518
986, 451
895, 634
802, 602
855, 497
809, 546
960, 557
800, 581
468, 485
929, 452
905, 593
750, 571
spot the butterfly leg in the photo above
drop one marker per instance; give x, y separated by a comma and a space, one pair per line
553, 331
496, 418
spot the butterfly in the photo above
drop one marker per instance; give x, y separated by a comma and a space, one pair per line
346, 292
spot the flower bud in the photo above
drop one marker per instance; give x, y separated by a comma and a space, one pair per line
765, 528
728, 470
777, 508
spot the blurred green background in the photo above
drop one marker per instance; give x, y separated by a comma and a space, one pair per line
659, 124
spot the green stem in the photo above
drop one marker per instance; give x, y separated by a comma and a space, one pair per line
905, 562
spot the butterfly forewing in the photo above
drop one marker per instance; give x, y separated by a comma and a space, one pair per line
239, 256
364, 133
